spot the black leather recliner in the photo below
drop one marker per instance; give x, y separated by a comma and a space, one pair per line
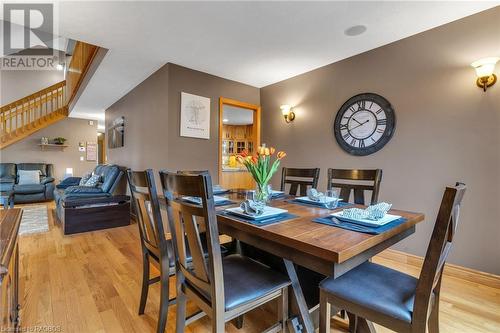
82, 208
29, 192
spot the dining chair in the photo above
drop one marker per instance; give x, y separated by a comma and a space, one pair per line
359, 185
398, 301
156, 249
233, 245
299, 180
224, 288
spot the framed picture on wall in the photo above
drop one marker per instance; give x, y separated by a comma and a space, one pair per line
195, 116
91, 151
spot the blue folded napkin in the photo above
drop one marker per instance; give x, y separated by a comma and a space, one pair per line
261, 222
252, 208
318, 204
357, 227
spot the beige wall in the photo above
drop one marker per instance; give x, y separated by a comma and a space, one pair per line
152, 119
447, 128
75, 130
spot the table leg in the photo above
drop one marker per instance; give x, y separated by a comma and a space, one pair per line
299, 297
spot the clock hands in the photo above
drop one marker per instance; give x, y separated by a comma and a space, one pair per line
356, 120
360, 124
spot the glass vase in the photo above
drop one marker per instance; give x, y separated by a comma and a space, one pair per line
263, 193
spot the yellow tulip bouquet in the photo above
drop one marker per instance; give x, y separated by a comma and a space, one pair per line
262, 168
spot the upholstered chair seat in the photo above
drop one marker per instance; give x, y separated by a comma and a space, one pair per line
246, 280
376, 287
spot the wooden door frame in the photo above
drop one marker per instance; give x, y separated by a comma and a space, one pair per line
256, 122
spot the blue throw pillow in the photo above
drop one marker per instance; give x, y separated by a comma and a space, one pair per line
85, 178
93, 181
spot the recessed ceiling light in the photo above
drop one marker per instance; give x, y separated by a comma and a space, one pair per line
225, 120
355, 30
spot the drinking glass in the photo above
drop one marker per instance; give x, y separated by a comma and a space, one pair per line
270, 192
331, 199
250, 195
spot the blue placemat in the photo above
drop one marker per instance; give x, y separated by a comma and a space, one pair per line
279, 196
319, 205
263, 222
359, 228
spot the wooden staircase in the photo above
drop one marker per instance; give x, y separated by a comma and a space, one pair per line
32, 113
24, 117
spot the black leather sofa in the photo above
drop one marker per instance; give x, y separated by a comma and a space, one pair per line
32, 192
81, 208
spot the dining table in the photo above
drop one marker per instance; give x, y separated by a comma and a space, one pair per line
325, 249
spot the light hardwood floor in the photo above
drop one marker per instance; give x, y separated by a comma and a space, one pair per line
91, 283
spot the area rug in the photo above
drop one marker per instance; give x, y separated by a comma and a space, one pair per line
35, 220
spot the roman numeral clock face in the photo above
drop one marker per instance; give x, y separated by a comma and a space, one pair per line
364, 124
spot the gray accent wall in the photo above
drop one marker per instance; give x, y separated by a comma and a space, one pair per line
152, 120
447, 128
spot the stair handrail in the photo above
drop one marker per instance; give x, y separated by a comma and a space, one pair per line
34, 95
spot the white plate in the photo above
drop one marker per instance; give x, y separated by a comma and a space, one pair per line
307, 200
197, 200
268, 212
370, 223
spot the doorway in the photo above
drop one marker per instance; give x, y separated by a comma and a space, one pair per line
101, 148
239, 129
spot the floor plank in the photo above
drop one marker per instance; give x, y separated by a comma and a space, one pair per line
91, 283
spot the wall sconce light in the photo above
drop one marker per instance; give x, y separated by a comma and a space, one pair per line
484, 70
287, 112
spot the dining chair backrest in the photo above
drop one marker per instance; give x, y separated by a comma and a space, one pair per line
357, 181
299, 180
438, 250
185, 221
147, 208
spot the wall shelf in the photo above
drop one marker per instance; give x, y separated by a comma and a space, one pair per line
52, 146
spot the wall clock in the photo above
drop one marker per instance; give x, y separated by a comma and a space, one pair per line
364, 124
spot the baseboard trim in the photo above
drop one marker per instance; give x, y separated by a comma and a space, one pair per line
460, 272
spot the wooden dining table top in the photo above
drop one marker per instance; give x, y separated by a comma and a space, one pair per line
330, 243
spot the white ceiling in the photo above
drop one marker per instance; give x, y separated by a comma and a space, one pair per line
258, 43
